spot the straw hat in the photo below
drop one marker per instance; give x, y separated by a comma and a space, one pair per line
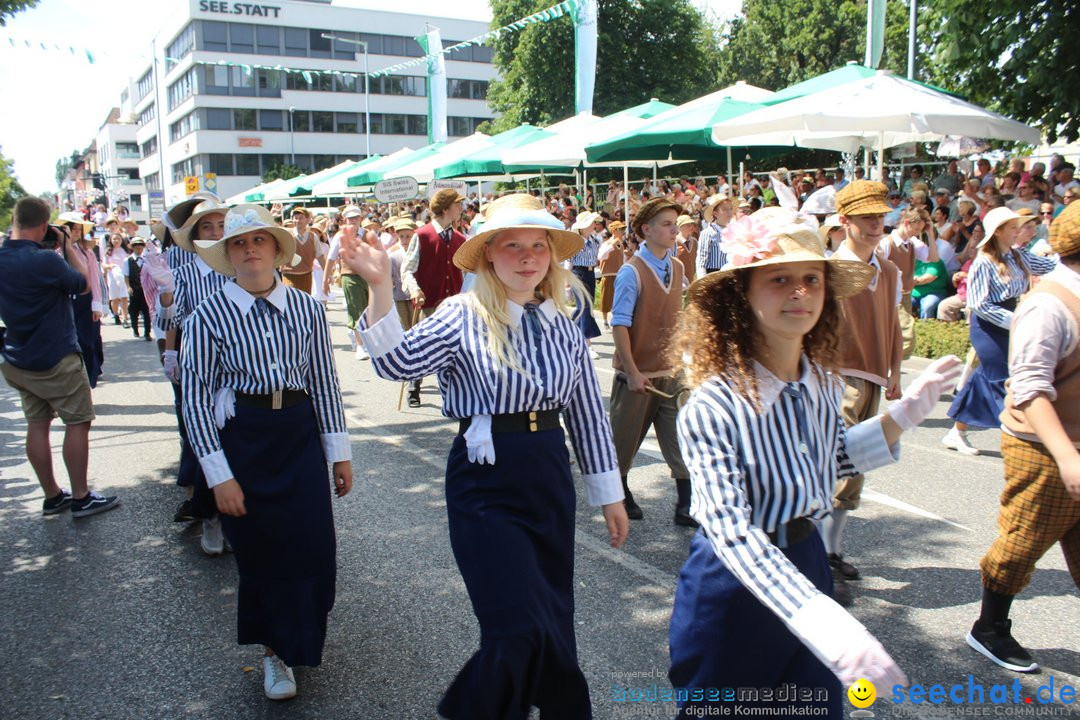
182, 234
518, 211
863, 197
616, 225
773, 236
712, 203
585, 220
828, 225
238, 221
136, 240
158, 230
300, 209
650, 210
74, 218
685, 220
1065, 231
178, 214
352, 211
402, 223
998, 217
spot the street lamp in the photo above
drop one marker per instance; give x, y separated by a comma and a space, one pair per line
367, 90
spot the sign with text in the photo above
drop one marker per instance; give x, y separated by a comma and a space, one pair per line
191, 184
239, 8
157, 204
436, 185
396, 190
210, 182
250, 141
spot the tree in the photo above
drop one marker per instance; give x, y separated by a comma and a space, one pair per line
64, 164
774, 45
1012, 56
10, 7
10, 191
645, 48
282, 172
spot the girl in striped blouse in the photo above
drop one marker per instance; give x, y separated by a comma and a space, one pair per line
509, 361
264, 415
764, 441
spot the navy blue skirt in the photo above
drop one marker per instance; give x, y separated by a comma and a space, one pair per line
722, 636
284, 546
980, 402
583, 315
88, 333
512, 532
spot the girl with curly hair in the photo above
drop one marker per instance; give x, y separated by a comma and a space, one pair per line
764, 441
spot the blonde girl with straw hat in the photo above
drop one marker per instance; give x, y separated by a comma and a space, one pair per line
509, 361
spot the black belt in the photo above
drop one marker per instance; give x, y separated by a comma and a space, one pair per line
532, 421
273, 401
584, 267
712, 270
792, 532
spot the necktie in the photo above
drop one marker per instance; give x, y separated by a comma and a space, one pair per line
446, 234
667, 274
806, 442
262, 307
530, 323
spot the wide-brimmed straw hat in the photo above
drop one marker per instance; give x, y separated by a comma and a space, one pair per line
998, 217
712, 203
616, 225
74, 218
182, 235
685, 220
1065, 231
238, 221
862, 197
828, 225
585, 220
773, 236
518, 212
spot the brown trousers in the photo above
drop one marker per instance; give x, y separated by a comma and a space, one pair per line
632, 414
861, 399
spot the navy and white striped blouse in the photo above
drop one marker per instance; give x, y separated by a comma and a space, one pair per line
231, 341
986, 288
753, 471
194, 281
176, 257
709, 255
587, 256
452, 343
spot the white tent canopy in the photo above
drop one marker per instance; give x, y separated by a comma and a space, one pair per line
423, 170
566, 148
336, 186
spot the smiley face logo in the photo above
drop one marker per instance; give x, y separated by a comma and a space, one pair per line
862, 693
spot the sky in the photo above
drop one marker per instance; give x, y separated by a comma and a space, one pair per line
56, 101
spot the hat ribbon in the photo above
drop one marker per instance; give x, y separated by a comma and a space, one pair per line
250, 219
747, 240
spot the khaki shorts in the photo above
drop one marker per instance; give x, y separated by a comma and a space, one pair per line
861, 399
62, 390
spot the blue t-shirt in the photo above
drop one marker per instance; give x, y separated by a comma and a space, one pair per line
36, 286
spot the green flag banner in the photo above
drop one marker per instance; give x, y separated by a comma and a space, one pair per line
431, 42
585, 28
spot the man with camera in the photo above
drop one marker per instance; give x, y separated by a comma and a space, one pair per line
39, 352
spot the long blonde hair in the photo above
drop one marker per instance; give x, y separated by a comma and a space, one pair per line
488, 299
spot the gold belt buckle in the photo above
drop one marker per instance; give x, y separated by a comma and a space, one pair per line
275, 402
532, 421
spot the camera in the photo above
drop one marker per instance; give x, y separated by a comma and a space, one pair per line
54, 237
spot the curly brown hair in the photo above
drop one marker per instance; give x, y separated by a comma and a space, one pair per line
716, 336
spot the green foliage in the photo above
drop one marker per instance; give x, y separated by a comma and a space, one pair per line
10, 191
282, 172
10, 7
934, 338
1012, 56
645, 49
64, 164
774, 45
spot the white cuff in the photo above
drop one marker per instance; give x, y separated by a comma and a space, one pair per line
97, 307
826, 628
384, 335
603, 488
165, 313
336, 446
216, 468
867, 448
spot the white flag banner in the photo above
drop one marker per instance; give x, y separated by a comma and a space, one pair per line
585, 30
431, 42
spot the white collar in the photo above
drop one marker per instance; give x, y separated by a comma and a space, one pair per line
204, 269
244, 300
302, 239
1066, 277
547, 311
770, 386
439, 229
845, 253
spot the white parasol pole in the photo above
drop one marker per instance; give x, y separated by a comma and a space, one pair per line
626, 194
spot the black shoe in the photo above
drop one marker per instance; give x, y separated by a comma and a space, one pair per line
57, 504
186, 512
841, 593
93, 504
997, 643
147, 338
633, 510
414, 399
682, 517
116, 320
845, 569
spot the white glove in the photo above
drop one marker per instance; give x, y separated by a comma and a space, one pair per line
224, 406
844, 645
478, 441
921, 395
172, 367
162, 276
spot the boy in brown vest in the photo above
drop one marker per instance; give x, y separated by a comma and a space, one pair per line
903, 247
1040, 505
648, 299
870, 360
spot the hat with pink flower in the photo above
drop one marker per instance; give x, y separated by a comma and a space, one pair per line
776, 235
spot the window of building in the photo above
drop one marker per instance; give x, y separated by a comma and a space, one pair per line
144, 86
321, 162
483, 54
345, 50
345, 83
376, 123
272, 161
304, 162
135, 202
467, 89
220, 164
393, 45
215, 79
241, 38
148, 148
323, 83
127, 151
417, 125
183, 169
296, 42
185, 125
243, 119
215, 35
152, 181
218, 119
322, 121
147, 115
393, 124
268, 39
271, 120
320, 46
269, 83
247, 165
296, 81
301, 120
182, 89
180, 47
243, 82
346, 122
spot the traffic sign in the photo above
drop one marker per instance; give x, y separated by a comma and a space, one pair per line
396, 190
210, 182
191, 184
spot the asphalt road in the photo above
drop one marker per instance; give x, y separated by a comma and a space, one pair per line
122, 616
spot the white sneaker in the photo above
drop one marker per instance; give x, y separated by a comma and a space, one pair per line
361, 353
278, 680
593, 354
352, 338
213, 540
957, 440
